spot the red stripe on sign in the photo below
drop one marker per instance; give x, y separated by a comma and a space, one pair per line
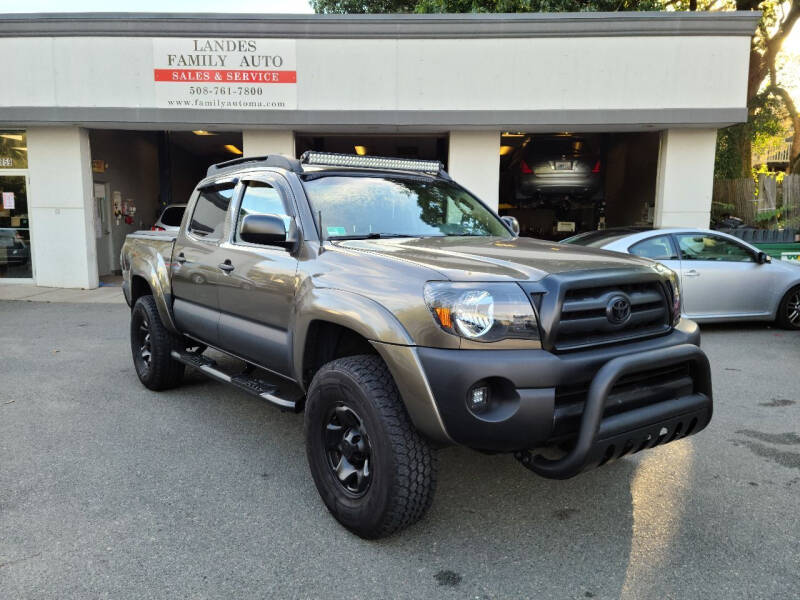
223, 76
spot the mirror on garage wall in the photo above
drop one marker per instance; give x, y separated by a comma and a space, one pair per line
562, 183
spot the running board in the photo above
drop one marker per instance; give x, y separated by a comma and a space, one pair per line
251, 385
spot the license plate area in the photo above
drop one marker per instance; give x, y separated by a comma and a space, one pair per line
563, 165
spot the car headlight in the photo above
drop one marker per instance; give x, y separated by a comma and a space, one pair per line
675, 289
484, 312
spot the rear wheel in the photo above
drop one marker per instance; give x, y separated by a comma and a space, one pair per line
374, 471
789, 309
152, 345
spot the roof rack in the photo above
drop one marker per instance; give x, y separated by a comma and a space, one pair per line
273, 160
333, 159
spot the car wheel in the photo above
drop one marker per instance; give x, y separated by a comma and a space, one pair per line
789, 309
374, 471
152, 345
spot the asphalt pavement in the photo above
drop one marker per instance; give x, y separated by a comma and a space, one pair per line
109, 490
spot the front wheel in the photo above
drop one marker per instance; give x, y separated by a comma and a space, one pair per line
374, 471
789, 309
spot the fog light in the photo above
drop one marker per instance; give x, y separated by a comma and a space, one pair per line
478, 399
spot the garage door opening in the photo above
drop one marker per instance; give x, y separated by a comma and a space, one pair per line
561, 184
427, 147
136, 174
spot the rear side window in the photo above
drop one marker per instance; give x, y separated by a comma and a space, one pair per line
260, 199
208, 219
173, 215
657, 248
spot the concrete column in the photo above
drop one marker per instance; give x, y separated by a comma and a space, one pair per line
685, 178
62, 207
474, 162
259, 142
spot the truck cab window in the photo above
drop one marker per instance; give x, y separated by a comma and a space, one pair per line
208, 218
260, 199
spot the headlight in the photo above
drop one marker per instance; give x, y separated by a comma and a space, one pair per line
675, 288
484, 312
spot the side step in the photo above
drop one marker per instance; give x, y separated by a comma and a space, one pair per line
252, 385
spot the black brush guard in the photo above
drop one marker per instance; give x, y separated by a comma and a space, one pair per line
601, 440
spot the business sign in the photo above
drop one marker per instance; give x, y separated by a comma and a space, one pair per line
225, 73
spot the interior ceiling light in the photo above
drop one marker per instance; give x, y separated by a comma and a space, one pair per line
12, 136
202, 132
505, 150
513, 134
232, 149
360, 150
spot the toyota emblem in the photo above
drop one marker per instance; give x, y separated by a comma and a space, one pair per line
618, 310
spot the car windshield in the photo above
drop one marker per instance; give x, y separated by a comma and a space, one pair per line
598, 239
396, 206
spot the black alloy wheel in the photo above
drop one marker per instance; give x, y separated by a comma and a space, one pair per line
348, 449
789, 309
141, 338
793, 309
372, 468
152, 345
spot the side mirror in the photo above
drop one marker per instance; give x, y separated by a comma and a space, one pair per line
511, 223
763, 257
268, 230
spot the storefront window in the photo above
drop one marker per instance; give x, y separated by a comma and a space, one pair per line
15, 234
13, 150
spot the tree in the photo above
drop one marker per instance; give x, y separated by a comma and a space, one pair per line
765, 96
478, 6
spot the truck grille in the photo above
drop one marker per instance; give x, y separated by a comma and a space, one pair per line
587, 319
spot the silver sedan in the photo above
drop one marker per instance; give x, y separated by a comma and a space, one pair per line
723, 278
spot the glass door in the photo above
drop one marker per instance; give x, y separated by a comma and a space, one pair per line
15, 227
15, 232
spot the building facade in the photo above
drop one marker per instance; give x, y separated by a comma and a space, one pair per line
106, 118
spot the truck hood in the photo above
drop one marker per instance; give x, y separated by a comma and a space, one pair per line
491, 259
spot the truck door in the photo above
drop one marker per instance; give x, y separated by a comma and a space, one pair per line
196, 262
257, 292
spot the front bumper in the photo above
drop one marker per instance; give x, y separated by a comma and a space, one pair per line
541, 399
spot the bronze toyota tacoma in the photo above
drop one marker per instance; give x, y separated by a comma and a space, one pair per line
403, 315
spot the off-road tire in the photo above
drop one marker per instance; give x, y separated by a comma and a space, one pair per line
784, 311
162, 372
403, 471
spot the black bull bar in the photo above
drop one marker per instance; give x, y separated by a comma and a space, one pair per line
601, 440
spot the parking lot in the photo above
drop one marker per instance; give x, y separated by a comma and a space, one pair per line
108, 490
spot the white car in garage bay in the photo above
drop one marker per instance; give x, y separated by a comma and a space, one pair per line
723, 278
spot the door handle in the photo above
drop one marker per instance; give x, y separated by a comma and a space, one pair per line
180, 258
226, 266
692, 273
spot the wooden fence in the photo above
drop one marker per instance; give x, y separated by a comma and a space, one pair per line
745, 199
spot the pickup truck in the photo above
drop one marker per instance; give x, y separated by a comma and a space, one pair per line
402, 315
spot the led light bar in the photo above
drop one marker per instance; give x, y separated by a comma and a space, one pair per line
332, 159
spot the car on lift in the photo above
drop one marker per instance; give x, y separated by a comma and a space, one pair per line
564, 165
403, 315
723, 278
170, 218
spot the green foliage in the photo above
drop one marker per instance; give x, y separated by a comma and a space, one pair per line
764, 128
478, 6
728, 157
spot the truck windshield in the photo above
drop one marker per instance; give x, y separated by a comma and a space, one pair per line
386, 206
